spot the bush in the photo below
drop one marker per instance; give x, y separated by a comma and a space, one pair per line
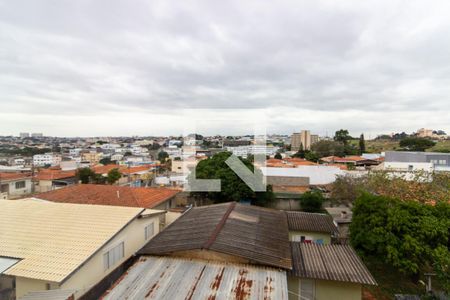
312, 202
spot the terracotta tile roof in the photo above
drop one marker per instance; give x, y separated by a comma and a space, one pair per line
290, 189
99, 169
304, 221
329, 262
110, 195
250, 232
47, 174
14, 176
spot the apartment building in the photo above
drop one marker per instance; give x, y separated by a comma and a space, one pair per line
47, 159
303, 139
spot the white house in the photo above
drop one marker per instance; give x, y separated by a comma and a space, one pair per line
14, 185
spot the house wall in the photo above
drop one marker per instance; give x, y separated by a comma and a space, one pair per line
325, 290
93, 271
337, 290
315, 235
26, 285
14, 193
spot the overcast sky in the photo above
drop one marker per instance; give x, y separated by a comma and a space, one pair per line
103, 67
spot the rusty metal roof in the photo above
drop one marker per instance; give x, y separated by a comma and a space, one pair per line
175, 278
313, 222
254, 233
329, 262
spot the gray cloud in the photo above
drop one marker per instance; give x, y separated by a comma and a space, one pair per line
83, 59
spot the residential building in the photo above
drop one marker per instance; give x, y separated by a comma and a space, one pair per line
155, 198
24, 135
244, 151
48, 246
48, 179
93, 157
302, 140
318, 175
184, 166
37, 135
311, 227
423, 132
47, 159
323, 272
235, 251
414, 161
15, 185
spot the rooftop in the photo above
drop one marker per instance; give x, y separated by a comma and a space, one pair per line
254, 233
14, 176
174, 278
312, 222
54, 239
329, 262
110, 195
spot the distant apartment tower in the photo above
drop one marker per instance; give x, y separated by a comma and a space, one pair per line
302, 138
24, 135
37, 134
422, 132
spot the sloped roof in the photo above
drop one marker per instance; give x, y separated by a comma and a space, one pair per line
251, 232
313, 222
49, 174
54, 239
178, 279
14, 176
110, 195
329, 262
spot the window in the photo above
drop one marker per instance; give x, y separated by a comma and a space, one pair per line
149, 231
410, 167
111, 257
20, 185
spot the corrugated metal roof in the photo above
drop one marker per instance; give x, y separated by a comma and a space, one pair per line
303, 221
175, 278
255, 233
53, 239
49, 295
329, 262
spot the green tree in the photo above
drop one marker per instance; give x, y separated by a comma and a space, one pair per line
312, 201
162, 156
416, 144
278, 155
300, 153
232, 187
312, 156
113, 176
85, 175
405, 233
105, 161
328, 148
342, 136
362, 144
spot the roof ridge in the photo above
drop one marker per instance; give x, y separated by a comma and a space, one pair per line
219, 226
